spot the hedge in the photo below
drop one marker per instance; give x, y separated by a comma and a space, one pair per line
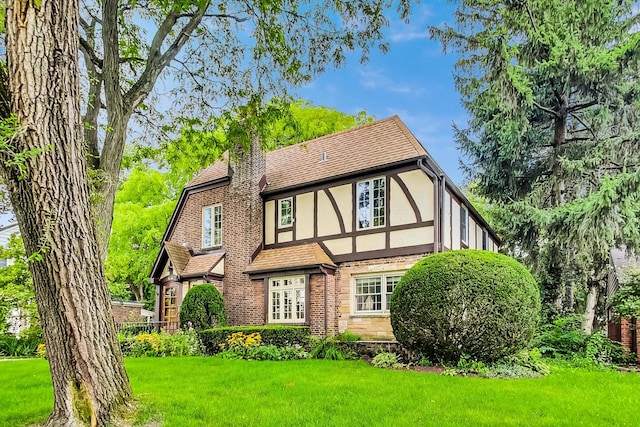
278, 335
469, 303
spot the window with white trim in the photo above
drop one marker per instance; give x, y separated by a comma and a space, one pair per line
372, 203
287, 302
372, 293
285, 212
464, 224
212, 226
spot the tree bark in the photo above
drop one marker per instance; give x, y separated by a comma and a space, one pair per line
50, 195
590, 308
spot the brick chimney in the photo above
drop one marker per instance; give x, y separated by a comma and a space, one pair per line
243, 214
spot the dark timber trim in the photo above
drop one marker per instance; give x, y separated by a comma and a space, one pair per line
335, 209
408, 195
385, 253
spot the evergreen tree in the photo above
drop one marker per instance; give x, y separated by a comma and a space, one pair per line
551, 88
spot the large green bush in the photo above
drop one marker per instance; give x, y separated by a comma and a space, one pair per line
277, 335
202, 308
470, 303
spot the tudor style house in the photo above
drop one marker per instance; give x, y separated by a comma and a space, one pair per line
318, 233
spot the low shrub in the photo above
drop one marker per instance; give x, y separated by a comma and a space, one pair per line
160, 344
387, 360
242, 346
327, 348
24, 345
202, 308
348, 336
565, 340
280, 336
479, 303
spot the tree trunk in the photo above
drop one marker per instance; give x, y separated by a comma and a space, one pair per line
51, 203
590, 308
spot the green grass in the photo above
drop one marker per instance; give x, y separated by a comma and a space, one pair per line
201, 391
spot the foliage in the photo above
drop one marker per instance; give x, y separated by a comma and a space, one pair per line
160, 344
25, 345
348, 336
202, 308
16, 285
386, 360
626, 301
477, 303
326, 348
551, 88
242, 346
564, 339
143, 206
280, 336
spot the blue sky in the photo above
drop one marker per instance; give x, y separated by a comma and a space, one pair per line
413, 80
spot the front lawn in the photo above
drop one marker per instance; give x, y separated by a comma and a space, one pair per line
207, 391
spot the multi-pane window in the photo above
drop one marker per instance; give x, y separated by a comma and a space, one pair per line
464, 224
212, 226
287, 300
372, 293
170, 304
285, 212
372, 203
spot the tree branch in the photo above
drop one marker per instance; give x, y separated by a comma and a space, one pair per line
215, 15
156, 61
578, 107
546, 109
575, 116
89, 54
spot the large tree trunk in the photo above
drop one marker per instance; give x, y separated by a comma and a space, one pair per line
51, 203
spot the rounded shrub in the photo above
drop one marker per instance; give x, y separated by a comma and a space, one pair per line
479, 304
202, 308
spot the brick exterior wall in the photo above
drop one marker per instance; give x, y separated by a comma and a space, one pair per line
376, 326
124, 312
629, 336
188, 227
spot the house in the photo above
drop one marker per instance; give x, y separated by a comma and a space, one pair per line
5, 235
318, 233
624, 330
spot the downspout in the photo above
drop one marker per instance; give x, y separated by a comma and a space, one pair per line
325, 300
437, 237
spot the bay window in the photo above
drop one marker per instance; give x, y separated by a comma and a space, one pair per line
287, 302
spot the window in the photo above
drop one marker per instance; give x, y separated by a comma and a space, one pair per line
285, 212
484, 240
287, 300
373, 293
372, 203
464, 224
212, 226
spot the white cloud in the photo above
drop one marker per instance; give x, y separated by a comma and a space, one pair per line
377, 79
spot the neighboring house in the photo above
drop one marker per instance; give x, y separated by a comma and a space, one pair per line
623, 330
5, 234
318, 233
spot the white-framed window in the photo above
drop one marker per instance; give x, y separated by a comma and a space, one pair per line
484, 240
212, 226
372, 202
287, 302
285, 212
372, 293
464, 224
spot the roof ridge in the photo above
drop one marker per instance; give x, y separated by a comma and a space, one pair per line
410, 136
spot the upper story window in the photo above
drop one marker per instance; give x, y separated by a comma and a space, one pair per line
372, 203
287, 300
464, 224
212, 226
484, 240
285, 212
372, 293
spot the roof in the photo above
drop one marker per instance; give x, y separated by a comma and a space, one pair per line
178, 254
201, 264
291, 257
353, 150
219, 169
364, 147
